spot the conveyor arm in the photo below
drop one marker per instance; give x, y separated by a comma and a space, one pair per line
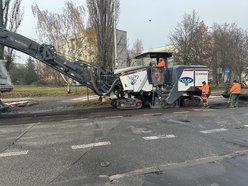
94, 77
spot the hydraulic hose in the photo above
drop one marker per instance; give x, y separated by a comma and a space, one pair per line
96, 89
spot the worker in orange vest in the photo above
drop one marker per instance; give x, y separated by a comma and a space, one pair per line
234, 93
205, 93
160, 63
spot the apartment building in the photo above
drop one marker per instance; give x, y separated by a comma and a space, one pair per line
83, 48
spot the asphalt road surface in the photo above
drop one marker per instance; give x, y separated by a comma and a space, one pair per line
187, 146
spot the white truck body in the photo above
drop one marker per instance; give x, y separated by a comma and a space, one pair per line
5, 82
135, 78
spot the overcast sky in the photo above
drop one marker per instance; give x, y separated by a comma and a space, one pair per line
151, 21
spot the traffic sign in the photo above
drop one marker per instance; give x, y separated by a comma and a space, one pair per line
227, 71
219, 70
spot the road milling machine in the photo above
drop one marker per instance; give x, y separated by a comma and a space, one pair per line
132, 87
160, 86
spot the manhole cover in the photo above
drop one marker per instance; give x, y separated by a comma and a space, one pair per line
105, 164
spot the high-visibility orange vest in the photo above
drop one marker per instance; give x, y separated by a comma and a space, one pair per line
205, 88
161, 63
236, 88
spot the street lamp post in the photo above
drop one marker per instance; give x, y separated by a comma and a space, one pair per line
115, 38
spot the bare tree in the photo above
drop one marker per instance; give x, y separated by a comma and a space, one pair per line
101, 17
225, 47
11, 16
136, 50
47, 76
66, 32
244, 53
192, 40
229, 50
238, 42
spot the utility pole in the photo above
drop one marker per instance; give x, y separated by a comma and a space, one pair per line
115, 37
1, 25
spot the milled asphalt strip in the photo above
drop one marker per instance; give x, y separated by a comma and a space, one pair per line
213, 131
17, 153
84, 146
170, 166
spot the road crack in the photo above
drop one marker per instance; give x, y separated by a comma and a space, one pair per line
20, 136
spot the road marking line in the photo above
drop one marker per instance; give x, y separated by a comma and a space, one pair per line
153, 114
178, 122
246, 126
71, 120
84, 146
140, 130
184, 112
159, 137
213, 130
17, 153
171, 166
112, 117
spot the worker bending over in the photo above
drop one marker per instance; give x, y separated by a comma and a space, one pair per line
205, 93
235, 91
